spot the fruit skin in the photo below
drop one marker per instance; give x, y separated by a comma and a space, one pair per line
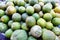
57, 9
36, 16
24, 26
31, 38
48, 35
47, 8
24, 16
56, 21
1, 13
49, 25
20, 2
5, 18
21, 9
32, 2
37, 7
22, 35
30, 10
8, 33
30, 21
57, 15
41, 22
36, 31
16, 17
56, 30
2, 5
53, 13
3, 27
26, 5
47, 17
15, 25
41, 14
10, 23
9, 4
57, 38
10, 10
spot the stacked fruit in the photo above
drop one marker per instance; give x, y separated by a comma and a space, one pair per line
29, 20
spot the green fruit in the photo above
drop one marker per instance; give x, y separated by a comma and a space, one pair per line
31, 38
56, 21
15, 25
47, 17
41, 22
10, 10
49, 25
48, 35
36, 16
1, 13
37, 7
32, 2
30, 21
19, 35
30, 10
56, 30
15, 1
10, 23
53, 13
8, 33
44, 29
21, 2
3, 27
21, 9
47, 8
26, 0
2, 5
9, 4
9, 0
16, 17
24, 16
5, 18
17, 8
36, 31
24, 26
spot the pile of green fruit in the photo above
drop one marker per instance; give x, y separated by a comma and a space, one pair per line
30, 19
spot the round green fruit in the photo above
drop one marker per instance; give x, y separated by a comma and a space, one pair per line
30, 10
56, 30
24, 26
36, 31
36, 16
3, 27
10, 10
5, 19
16, 17
8, 33
49, 25
15, 25
19, 35
41, 14
1, 13
20, 2
37, 7
41, 22
26, 5
30, 21
31, 38
21, 9
56, 21
10, 23
32, 2
47, 8
47, 17
48, 35
24, 16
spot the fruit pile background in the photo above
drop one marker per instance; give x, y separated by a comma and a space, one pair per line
29, 20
